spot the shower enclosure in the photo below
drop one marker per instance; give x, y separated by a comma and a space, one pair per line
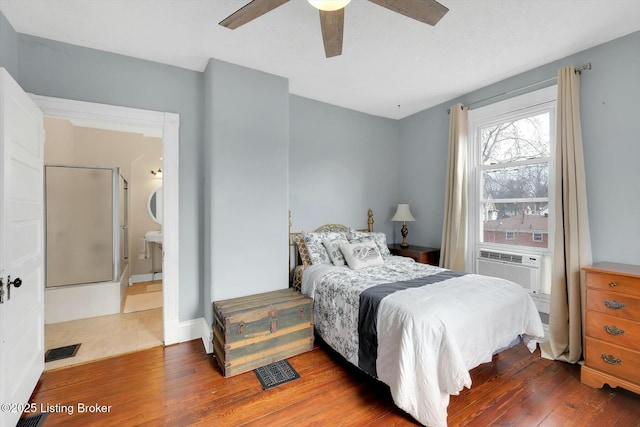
86, 224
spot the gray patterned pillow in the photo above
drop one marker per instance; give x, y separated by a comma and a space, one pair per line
317, 251
380, 239
333, 249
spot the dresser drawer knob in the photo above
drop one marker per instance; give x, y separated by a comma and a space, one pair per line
614, 305
613, 330
611, 359
613, 284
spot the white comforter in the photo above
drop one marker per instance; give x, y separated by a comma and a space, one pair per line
429, 337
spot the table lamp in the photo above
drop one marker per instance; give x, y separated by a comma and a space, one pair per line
403, 213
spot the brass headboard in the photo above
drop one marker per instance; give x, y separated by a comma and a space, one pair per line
326, 227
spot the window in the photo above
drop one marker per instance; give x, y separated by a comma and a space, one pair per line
511, 189
511, 146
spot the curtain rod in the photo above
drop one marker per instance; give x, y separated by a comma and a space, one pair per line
578, 70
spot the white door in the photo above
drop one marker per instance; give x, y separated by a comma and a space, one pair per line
21, 248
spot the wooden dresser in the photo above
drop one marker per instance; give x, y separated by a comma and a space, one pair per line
612, 346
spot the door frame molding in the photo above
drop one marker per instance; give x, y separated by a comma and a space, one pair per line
151, 123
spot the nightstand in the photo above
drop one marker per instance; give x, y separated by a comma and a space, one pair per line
418, 253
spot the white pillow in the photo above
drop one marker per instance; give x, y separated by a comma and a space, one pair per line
379, 237
360, 255
333, 249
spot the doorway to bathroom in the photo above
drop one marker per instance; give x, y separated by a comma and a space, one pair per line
150, 317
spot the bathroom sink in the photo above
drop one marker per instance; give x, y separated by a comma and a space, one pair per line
154, 236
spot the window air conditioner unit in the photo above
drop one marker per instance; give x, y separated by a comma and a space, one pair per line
519, 268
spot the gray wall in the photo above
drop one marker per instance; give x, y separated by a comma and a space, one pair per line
611, 135
341, 164
50, 68
8, 47
422, 168
247, 149
234, 164
611, 138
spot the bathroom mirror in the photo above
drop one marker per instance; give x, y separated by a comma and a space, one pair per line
154, 205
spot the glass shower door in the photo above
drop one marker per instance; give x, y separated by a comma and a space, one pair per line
79, 221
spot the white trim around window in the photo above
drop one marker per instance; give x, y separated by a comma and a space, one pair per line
528, 104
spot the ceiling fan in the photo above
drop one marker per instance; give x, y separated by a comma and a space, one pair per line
332, 16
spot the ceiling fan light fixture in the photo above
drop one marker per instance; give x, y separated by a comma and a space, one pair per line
329, 5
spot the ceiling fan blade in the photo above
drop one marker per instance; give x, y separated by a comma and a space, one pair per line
332, 24
250, 12
427, 11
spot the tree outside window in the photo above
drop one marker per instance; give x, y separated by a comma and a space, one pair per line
514, 173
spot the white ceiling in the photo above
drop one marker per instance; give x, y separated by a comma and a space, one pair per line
391, 65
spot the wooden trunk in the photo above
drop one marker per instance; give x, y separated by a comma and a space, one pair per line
253, 331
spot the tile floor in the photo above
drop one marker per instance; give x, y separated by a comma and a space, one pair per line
107, 336
143, 296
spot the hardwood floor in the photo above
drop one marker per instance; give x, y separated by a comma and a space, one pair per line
180, 385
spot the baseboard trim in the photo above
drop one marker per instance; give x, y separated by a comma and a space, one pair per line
171, 332
137, 278
194, 329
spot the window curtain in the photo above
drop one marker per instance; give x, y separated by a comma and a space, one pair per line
453, 247
572, 242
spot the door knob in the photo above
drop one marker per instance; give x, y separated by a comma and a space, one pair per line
17, 282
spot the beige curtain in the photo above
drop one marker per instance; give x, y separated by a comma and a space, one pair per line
453, 247
572, 242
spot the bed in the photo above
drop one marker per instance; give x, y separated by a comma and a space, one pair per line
418, 328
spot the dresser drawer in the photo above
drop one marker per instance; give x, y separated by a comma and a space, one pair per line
614, 304
613, 282
613, 329
612, 359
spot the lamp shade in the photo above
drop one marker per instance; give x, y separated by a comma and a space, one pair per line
329, 5
403, 213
